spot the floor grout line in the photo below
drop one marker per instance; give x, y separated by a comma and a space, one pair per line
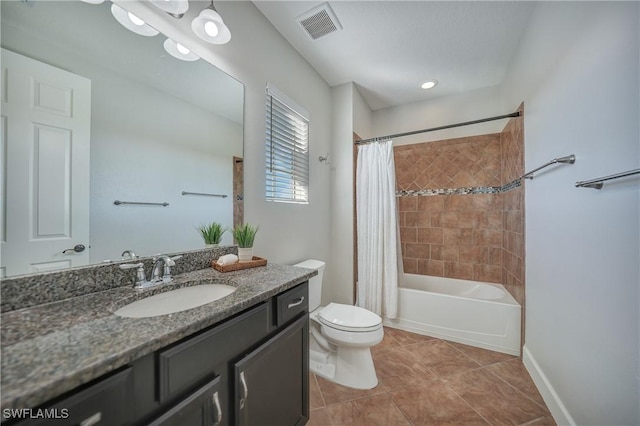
402, 412
466, 402
519, 391
315, 379
533, 421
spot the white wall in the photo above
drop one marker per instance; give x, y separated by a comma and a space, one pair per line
441, 111
258, 54
338, 285
144, 154
362, 116
350, 114
578, 74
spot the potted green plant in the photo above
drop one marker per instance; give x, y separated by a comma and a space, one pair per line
211, 233
244, 235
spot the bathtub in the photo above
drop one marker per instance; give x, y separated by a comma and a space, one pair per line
469, 312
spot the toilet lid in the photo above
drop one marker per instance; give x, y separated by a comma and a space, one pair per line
349, 318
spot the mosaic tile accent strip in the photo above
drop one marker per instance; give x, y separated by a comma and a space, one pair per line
462, 191
517, 183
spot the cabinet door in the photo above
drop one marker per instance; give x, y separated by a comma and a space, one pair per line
201, 408
107, 402
272, 382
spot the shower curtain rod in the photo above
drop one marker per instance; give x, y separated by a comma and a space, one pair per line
448, 126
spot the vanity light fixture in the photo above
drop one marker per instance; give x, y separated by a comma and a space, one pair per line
429, 84
93, 1
177, 50
132, 22
210, 27
172, 7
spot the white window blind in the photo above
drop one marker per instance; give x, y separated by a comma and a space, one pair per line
287, 149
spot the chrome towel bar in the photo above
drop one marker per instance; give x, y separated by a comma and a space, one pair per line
597, 183
204, 193
118, 203
569, 159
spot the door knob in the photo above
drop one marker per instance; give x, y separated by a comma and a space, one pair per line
78, 248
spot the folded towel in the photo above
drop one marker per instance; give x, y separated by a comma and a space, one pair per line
227, 259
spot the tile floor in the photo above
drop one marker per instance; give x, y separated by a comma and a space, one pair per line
427, 381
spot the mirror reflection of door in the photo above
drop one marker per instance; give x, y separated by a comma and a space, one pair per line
45, 156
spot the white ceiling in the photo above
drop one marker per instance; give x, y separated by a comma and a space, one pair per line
388, 48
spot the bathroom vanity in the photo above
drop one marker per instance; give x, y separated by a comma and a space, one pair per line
242, 360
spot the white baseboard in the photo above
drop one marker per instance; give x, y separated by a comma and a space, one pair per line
558, 410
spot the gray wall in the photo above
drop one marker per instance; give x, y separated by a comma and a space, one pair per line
577, 72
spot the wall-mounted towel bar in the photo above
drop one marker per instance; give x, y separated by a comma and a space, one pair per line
118, 203
569, 159
204, 193
597, 183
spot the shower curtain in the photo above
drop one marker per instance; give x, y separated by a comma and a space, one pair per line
379, 257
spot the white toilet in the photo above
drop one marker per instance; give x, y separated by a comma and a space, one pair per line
341, 336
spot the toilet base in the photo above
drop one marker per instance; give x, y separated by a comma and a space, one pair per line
320, 365
350, 367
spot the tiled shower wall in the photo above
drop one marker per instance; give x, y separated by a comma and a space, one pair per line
455, 236
513, 242
468, 236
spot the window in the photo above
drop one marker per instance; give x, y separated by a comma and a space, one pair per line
287, 173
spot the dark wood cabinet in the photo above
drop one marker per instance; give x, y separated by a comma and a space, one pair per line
251, 369
201, 408
259, 361
184, 365
107, 401
271, 382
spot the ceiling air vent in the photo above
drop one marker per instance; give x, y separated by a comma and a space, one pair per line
319, 21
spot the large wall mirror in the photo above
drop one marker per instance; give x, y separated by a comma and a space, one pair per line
93, 114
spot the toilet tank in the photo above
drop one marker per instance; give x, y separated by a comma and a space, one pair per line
315, 283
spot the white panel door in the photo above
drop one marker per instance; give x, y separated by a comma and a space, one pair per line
46, 115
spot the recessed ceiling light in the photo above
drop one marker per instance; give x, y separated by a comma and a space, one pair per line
429, 84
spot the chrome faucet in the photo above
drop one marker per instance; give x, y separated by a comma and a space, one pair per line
163, 275
160, 273
128, 253
157, 270
141, 279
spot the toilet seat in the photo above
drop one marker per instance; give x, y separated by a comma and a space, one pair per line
349, 318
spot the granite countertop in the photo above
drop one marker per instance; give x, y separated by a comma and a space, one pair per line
52, 348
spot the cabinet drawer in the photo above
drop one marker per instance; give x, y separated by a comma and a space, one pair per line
291, 303
187, 364
107, 402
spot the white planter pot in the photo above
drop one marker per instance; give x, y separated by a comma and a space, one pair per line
211, 245
245, 254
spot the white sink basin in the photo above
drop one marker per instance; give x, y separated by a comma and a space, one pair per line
175, 301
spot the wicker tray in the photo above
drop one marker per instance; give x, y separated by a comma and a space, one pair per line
257, 261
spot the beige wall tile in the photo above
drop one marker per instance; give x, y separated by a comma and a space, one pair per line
478, 236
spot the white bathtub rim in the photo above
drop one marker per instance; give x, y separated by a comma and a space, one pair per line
431, 331
507, 299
